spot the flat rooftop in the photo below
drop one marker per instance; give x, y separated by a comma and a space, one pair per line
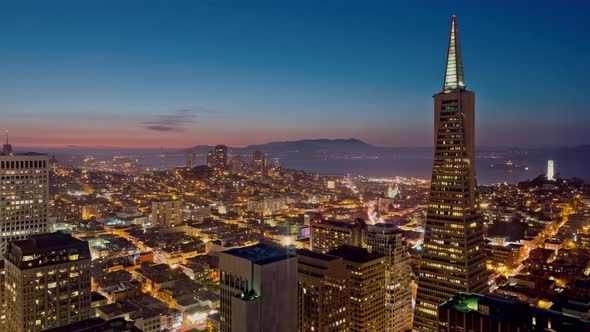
261, 253
384, 228
47, 249
342, 223
355, 254
315, 255
509, 309
41, 243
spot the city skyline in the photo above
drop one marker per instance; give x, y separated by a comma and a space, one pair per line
209, 73
320, 233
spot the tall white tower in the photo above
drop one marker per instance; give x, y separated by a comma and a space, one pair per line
550, 170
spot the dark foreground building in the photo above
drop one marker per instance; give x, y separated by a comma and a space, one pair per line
496, 313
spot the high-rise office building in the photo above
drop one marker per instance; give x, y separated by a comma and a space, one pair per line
24, 195
167, 213
322, 292
366, 283
259, 164
550, 170
258, 289
47, 282
327, 235
388, 241
453, 257
190, 158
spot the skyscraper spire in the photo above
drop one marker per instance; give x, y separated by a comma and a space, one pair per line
454, 79
453, 257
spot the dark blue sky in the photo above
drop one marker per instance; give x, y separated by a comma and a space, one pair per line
180, 73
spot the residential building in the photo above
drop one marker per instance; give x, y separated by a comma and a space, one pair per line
217, 158
328, 235
167, 213
388, 241
322, 292
190, 158
259, 165
366, 275
47, 282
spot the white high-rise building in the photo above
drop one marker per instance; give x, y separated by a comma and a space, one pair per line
24, 195
550, 170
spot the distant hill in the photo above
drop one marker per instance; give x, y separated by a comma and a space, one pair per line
314, 148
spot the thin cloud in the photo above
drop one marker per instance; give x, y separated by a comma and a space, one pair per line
176, 120
160, 128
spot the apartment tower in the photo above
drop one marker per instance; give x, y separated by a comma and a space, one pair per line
388, 241
322, 292
167, 213
259, 164
328, 235
366, 283
47, 282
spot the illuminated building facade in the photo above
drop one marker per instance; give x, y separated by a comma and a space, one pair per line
259, 164
258, 289
366, 283
267, 205
217, 158
328, 235
47, 282
388, 241
24, 195
190, 159
322, 292
167, 213
453, 259
550, 170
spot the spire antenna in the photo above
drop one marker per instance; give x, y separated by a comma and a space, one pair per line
454, 79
